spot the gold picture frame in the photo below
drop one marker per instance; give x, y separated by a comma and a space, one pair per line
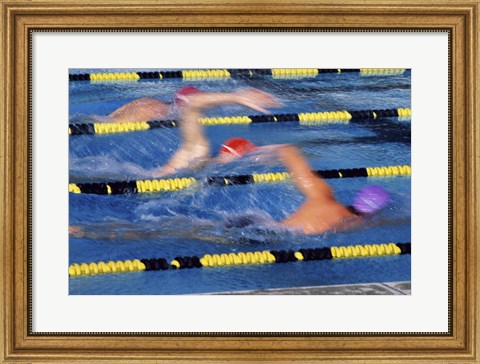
21, 18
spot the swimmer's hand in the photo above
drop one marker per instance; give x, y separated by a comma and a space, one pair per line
257, 100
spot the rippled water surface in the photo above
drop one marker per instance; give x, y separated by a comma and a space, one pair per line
199, 220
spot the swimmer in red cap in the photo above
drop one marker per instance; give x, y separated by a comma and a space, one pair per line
234, 148
194, 151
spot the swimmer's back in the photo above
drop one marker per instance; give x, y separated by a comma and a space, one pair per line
319, 216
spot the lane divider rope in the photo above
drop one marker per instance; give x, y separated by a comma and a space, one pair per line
175, 184
242, 258
212, 74
305, 118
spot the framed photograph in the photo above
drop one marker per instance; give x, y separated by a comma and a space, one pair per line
240, 182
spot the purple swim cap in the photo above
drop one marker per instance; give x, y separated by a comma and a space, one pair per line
371, 199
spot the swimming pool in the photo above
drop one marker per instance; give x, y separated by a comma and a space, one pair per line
195, 221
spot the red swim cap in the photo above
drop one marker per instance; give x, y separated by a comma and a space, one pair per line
237, 147
181, 96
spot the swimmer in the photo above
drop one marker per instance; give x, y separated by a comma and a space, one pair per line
321, 212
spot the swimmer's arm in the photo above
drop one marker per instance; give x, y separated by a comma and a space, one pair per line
190, 128
194, 152
304, 179
251, 98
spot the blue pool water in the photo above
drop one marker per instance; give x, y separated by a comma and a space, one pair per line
195, 221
